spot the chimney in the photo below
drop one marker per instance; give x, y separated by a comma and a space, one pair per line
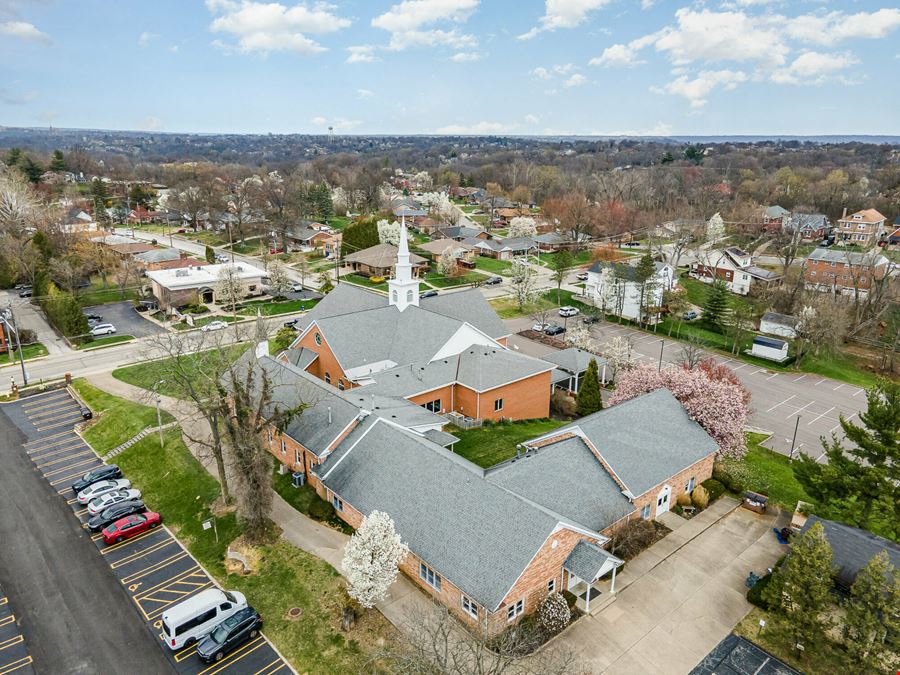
845, 213
329, 414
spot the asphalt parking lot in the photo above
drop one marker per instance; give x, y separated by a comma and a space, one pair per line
127, 321
736, 656
153, 569
14, 656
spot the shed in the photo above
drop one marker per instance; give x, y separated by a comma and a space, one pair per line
782, 325
771, 349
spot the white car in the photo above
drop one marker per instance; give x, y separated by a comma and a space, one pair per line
101, 488
540, 327
297, 287
103, 329
214, 325
568, 311
102, 502
582, 276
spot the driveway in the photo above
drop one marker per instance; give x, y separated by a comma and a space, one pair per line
678, 599
127, 321
30, 317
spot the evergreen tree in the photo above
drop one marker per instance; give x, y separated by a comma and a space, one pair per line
716, 307
800, 590
323, 204
667, 158
13, 156
31, 169
589, 399
643, 273
210, 255
857, 485
58, 163
325, 283
360, 235
871, 617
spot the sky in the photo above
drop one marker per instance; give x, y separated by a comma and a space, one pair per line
607, 67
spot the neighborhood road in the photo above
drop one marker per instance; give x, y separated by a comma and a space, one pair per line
779, 399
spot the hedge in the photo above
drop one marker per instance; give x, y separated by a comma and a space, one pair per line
714, 488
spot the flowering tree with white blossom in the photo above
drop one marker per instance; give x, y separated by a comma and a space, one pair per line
388, 232
371, 559
717, 405
522, 226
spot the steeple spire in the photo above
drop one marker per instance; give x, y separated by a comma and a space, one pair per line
403, 289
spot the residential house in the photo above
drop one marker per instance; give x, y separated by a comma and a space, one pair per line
163, 258
893, 239
810, 226
863, 228
379, 261
436, 248
503, 216
412, 215
571, 365
138, 216
461, 232
472, 195
308, 236
503, 249
77, 220
197, 284
551, 242
774, 218
783, 325
679, 227
843, 272
614, 287
733, 266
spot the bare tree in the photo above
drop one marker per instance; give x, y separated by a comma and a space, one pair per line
691, 353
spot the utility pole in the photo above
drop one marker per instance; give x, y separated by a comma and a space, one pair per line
794, 440
662, 346
15, 330
158, 413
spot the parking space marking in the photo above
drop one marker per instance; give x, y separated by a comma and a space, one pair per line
857, 393
140, 574
278, 665
174, 579
52, 411
18, 639
53, 445
126, 542
3, 601
782, 403
81, 512
170, 592
95, 537
772, 375
56, 450
67, 458
56, 472
44, 439
16, 665
842, 384
44, 401
838, 425
799, 378
73, 476
799, 410
134, 556
230, 659
67, 422
820, 382
743, 365
821, 416
6, 620
185, 653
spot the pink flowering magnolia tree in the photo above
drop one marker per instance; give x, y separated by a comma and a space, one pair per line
717, 405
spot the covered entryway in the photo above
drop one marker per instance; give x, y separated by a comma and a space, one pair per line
206, 295
662, 500
586, 565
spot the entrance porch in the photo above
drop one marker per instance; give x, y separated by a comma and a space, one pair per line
591, 576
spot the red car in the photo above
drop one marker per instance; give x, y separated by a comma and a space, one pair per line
273, 251
181, 231
131, 526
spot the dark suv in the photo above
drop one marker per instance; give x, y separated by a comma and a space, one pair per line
114, 513
231, 633
106, 472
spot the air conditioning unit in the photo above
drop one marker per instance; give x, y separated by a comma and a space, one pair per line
298, 479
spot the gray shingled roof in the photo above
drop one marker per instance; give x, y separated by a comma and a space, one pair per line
853, 548
776, 211
441, 438
780, 319
623, 269
159, 255
567, 479
587, 559
302, 358
381, 255
474, 533
761, 273
854, 258
645, 455
573, 360
470, 306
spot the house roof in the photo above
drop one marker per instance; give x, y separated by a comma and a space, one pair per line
441, 438
567, 479
200, 275
458, 231
644, 455
625, 270
853, 548
381, 256
438, 246
409, 212
779, 319
761, 273
573, 360
133, 248
303, 358
852, 257
473, 532
776, 211
811, 221
866, 216
587, 560
158, 255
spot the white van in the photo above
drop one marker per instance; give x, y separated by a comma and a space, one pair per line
190, 620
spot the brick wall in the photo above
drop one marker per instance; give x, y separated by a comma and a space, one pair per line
841, 275
700, 471
445, 394
522, 400
327, 362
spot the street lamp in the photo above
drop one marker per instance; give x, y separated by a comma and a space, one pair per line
158, 413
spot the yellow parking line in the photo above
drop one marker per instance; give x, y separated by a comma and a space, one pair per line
126, 542
44, 439
3, 601
44, 401
265, 669
12, 641
52, 415
52, 410
6, 620
230, 659
185, 653
171, 580
15, 665
134, 556
71, 466
57, 450
140, 574
81, 512
95, 537
65, 422
68, 478
68, 457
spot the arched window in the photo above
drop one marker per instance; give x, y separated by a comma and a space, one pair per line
327, 378
341, 385
318, 339
394, 296
409, 296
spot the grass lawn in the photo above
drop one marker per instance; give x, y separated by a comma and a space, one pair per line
583, 257
28, 352
175, 484
437, 280
97, 294
772, 474
506, 306
360, 280
307, 502
493, 265
227, 318
145, 375
491, 445
208, 238
117, 420
96, 343
251, 246
338, 222
823, 657
269, 308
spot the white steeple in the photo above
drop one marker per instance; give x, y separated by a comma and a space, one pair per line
403, 289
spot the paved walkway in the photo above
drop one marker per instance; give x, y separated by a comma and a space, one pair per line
680, 597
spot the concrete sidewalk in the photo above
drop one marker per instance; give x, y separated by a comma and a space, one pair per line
309, 535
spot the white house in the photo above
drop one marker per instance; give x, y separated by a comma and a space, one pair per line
781, 325
201, 284
615, 290
733, 266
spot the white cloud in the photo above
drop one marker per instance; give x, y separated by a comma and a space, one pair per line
362, 54
340, 124
173, 49
477, 129
409, 23
364, 93
266, 27
563, 14
453, 38
659, 129
318, 121
836, 26
697, 89
145, 38
532, 119
8, 97
465, 57
575, 80
542, 73
150, 123
813, 68
24, 31
617, 55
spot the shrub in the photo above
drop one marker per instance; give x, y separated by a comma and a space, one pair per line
714, 489
755, 594
632, 537
562, 403
319, 509
554, 613
684, 499
700, 497
569, 598
376, 280
733, 474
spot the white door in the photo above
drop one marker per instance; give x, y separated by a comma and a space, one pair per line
662, 500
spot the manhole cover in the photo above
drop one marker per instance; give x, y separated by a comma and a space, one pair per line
294, 613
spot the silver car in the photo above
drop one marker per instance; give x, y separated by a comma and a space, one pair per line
100, 503
101, 488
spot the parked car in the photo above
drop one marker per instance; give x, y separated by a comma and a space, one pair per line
131, 526
105, 472
291, 323
181, 230
632, 244
234, 631
103, 501
273, 250
86, 413
297, 287
221, 258
493, 281
101, 487
194, 618
567, 310
554, 329
428, 294
93, 323
590, 319
690, 315
582, 276
26, 292
213, 325
540, 327
114, 513
103, 329
93, 317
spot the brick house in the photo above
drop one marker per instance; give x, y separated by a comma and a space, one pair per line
379, 261
844, 272
733, 266
774, 218
809, 226
199, 284
863, 228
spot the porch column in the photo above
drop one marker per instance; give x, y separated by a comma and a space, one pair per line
612, 585
587, 602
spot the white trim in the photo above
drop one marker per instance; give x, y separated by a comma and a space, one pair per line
350, 449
